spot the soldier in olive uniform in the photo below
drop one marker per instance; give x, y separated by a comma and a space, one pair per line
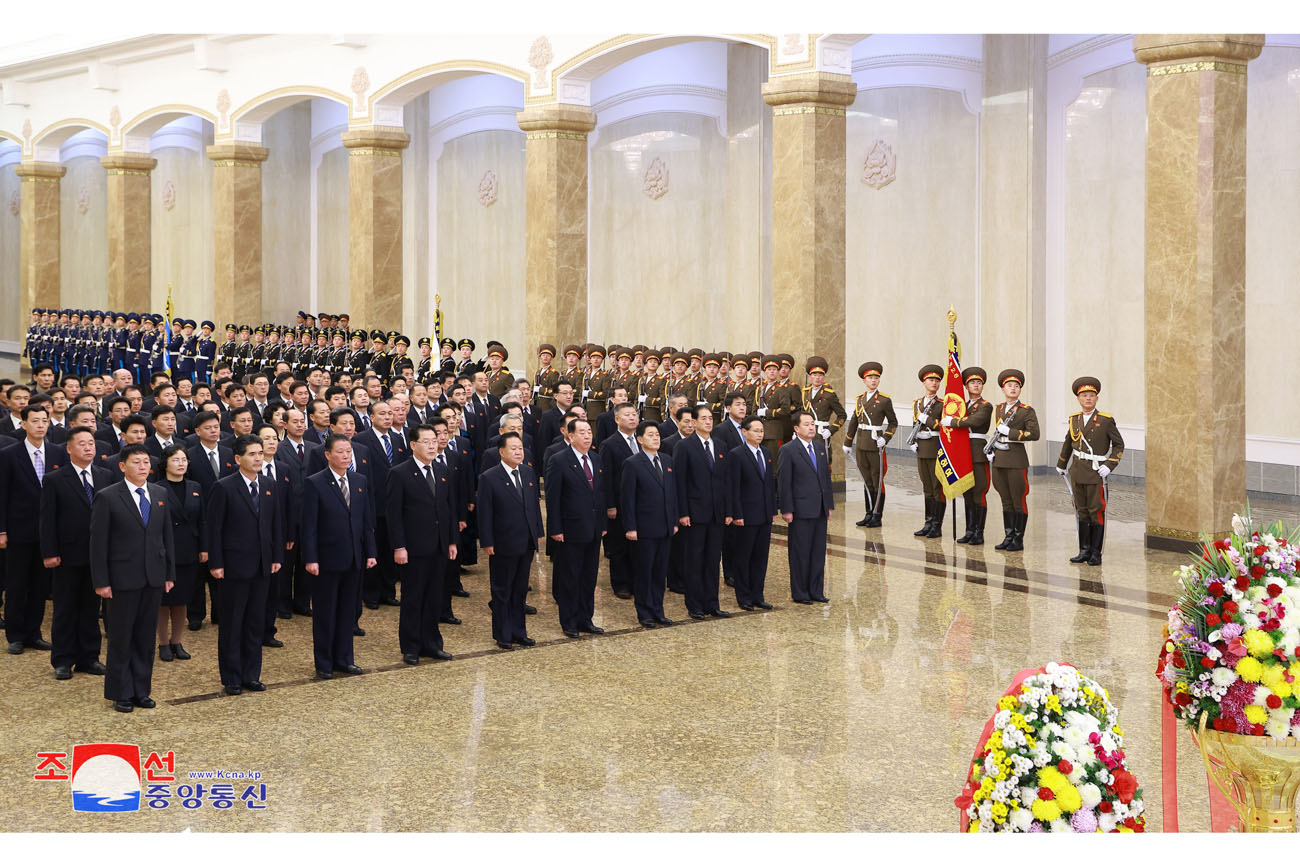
979, 412
359, 358
773, 406
1094, 442
650, 390
1014, 423
572, 372
711, 387
546, 379
821, 400
595, 382
500, 379
870, 428
678, 383
926, 412
624, 376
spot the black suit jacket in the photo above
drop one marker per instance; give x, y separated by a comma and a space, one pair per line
242, 540
20, 491
648, 504
333, 535
314, 435
155, 447
509, 522
419, 519
365, 466
548, 430
290, 477
58, 434
125, 553
668, 444
800, 489
200, 469
726, 433
751, 496
369, 439
605, 427
614, 451
573, 508
187, 523
701, 489
65, 513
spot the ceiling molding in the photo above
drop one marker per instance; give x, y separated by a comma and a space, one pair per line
939, 61
1087, 46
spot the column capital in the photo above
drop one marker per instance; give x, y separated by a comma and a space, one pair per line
361, 139
129, 163
237, 153
33, 169
1198, 52
557, 121
807, 94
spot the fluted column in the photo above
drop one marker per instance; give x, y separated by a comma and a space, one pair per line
237, 230
556, 215
375, 224
39, 254
130, 253
1195, 282
808, 171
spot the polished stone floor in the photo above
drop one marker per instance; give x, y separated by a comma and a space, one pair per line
860, 714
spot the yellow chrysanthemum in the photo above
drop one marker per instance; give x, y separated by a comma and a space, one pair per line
1272, 675
1294, 670
1249, 669
1069, 798
1053, 703
1008, 703
974, 826
1258, 643
1046, 810
1256, 715
1118, 730
1050, 777
999, 812
1017, 719
987, 785
1282, 689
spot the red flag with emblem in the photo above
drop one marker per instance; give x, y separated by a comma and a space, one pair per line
954, 467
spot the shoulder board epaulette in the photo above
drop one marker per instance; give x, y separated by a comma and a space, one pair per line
828, 388
882, 394
1104, 415
1076, 414
1026, 406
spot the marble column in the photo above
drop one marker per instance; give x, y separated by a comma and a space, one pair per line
1195, 282
39, 256
375, 224
556, 224
237, 231
130, 251
808, 172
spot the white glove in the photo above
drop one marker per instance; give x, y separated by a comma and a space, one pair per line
1060, 472
1103, 471
945, 421
826, 434
762, 411
847, 449
915, 446
880, 442
1004, 429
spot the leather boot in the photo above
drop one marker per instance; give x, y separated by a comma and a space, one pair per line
879, 510
970, 523
977, 533
1085, 542
866, 518
1098, 536
1018, 532
929, 519
1008, 523
936, 529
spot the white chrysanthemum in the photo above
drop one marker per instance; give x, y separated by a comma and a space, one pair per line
1058, 748
1107, 821
1250, 621
1261, 695
1001, 718
1256, 593
986, 812
1021, 819
1076, 775
1028, 795
1075, 737
1223, 677
1060, 825
1136, 807
1041, 757
1108, 742
1290, 632
1091, 795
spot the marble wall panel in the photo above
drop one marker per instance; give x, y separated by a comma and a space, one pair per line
13, 323
332, 195
481, 246
83, 236
286, 214
658, 264
748, 323
182, 233
417, 299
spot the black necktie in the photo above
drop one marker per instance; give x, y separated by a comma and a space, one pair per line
519, 484
252, 489
708, 452
428, 476
658, 468
90, 488
300, 452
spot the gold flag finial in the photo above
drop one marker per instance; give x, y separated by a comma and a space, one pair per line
952, 318
437, 300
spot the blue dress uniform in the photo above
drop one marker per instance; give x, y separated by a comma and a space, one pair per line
132, 353
121, 340
29, 344
205, 354
189, 351
156, 351
55, 356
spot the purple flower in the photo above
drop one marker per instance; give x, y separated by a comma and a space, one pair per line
1084, 821
1035, 828
1231, 630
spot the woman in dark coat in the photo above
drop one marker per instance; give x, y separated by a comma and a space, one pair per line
187, 528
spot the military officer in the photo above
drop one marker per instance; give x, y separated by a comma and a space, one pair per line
339, 353
205, 353
243, 359
711, 387
401, 362
380, 359
290, 353
678, 383
466, 366
546, 379
871, 426
500, 379
424, 367
624, 376
926, 412
595, 382
650, 390
773, 405
572, 371
1014, 423
978, 414
228, 348
446, 361
821, 400
1094, 442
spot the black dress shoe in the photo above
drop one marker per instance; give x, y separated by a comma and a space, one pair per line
372, 605
821, 598
648, 623
274, 643
411, 658
234, 690
529, 609
460, 593
720, 614
302, 611
505, 645
145, 703
123, 706
96, 668
699, 616
764, 605
570, 632
63, 672
350, 669
525, 641
324, 675
440, 655
179, 652
165, 652
391, 601
746, 607
358, 632
729, 581
449, 620
194, 626
622, 593
591, 629
663, 620
284, 614
255, 686
15, 648
39, 644
803, 601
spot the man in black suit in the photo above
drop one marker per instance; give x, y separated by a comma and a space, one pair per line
729, 436
672, 424
164, 430
18, 396
751, 502
285, 476
682, 427
552, 421
458, 454
210, 461
702, 494
129, 519
379, 585
27, 582
420, 505
649, 510
295, 592
245, 547
118, 408
614, 451
483, 403
575, 519
338, 542
510, 528
607, 425
66, 499
803, 489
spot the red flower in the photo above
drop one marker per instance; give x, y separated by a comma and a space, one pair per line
1257, 571
1130, 823
1183, 699
1046, 793
1227, 616
1230, 606
1273, 702
1221, 545
1220, 724
1106, 806
1260, 550
1274, 590
1257, 730
1216, 589
1178, 660
1125, 785
1065, 767
1207, 662
1243, 583
1212, 619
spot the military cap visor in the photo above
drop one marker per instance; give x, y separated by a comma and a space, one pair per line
816, 364
1011, 375
973, 373
870, 368
930, 371
1086, 383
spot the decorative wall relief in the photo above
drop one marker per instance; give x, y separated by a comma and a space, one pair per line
360, 81
655, 182
27, 130
878, 170
169, 195
540, 57
223, 105
15, 203
83, 200
115, 119
487, 189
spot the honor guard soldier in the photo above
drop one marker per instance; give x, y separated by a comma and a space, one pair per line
257, 356
677, 382
466, 366
595, 382
650, 390
821, 400
739, 379
772, 404
500, 379
104, 344
1014, 423
625, 377
979, 413
1094, 442
243, 357
306, 353
926, 412
546, 379
401, 362
446, 361
227, 352
273, 349
871, 426
380, 360
156, 351
289, 353
424, 369
358, 357
339, 353
132, 344
29, 342
572, 372
711, 387
177, 344
187, 350
783, 380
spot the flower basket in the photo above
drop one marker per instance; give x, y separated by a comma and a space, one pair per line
1259, 775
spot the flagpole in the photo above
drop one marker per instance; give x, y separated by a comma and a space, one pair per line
952, 331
